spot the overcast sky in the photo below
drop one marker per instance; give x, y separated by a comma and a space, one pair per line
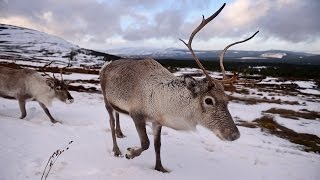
108, 24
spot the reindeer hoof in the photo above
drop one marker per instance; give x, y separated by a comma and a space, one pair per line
129, 154
161, 169
120, 134
129, 157
117, 152
54, 122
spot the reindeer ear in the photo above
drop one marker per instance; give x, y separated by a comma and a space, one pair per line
192, 85
50, 83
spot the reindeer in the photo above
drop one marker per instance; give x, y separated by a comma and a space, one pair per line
27, 84
148, 92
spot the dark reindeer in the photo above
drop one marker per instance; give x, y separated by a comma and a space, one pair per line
148, 92
27, 84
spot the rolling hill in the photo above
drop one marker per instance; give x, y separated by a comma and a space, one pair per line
31, 46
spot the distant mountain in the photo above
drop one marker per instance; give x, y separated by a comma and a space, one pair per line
234, 55
31, 46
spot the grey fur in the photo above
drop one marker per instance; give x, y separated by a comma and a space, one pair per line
27, 84
148, 92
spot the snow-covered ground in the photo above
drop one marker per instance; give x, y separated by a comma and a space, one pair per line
27, 144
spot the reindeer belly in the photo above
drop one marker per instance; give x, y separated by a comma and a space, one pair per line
16, 96
119, 108
6, 96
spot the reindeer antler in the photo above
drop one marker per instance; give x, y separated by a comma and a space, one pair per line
61, 69
234, 77
42, 69
201, 25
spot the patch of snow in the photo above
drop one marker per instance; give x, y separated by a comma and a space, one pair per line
252, 58
301, 125
306, 84
310, 91
259, 67
273, 55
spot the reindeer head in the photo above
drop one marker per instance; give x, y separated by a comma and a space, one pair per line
216, 116
60, 88
213, 112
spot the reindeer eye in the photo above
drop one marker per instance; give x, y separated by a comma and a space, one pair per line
208, 101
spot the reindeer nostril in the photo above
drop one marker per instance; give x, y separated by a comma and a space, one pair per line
69, 101
235, 136
229, 135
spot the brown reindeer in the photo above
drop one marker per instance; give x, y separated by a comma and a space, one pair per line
28, 84
148, 92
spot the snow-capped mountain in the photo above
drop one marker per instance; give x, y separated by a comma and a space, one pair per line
148, 52
273, 55
22, 44
175, 53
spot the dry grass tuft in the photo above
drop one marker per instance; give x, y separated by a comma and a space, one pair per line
251, 101
310, 142
286, 113
81, 88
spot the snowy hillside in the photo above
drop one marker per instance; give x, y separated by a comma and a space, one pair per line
24, 45
27, 144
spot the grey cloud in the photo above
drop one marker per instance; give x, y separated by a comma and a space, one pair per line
99, 20
166, 24
75, 19
296, 22
169, 23
102, 20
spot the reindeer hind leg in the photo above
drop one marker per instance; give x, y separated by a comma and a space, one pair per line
115, 149
118, 129
139, 121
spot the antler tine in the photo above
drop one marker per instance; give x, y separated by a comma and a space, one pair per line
47, 75
54, 77
201, 25
222, 57
48, 64
43, 69
61, 74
